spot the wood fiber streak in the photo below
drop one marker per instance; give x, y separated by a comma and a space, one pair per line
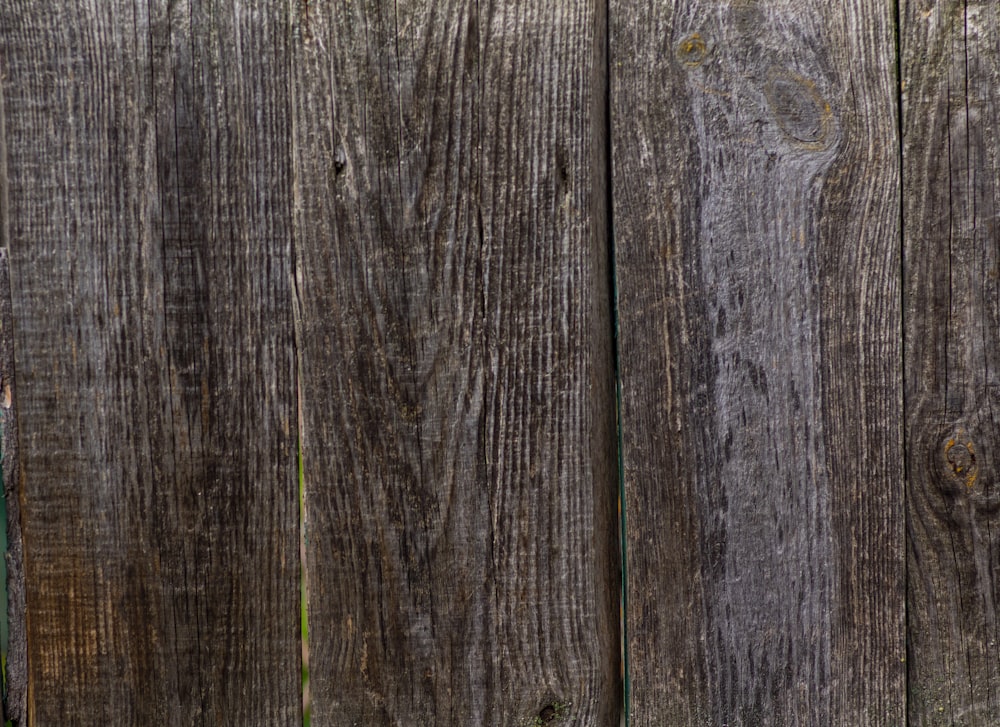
951, 71
454, 344
756, 225
150, 239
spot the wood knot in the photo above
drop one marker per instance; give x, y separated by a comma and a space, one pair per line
960, 456
692, 50
798, 108
550, 713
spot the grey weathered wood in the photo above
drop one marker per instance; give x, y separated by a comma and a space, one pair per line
150, 238
951, 72
756, 224
456, 383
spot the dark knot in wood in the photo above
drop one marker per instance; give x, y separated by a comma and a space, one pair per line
798, 108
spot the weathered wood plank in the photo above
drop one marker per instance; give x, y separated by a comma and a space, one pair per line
150, 237
951, 71
454, 337
757, 234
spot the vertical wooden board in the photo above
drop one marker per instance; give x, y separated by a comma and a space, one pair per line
950, 73
149, 227
756, 228
456, 383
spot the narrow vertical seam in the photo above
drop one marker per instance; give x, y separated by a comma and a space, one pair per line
18, 688
902, 434
298, 22
616, 365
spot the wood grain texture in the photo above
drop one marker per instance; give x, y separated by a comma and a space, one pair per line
150, 237
756, 210
456, 382
951, 70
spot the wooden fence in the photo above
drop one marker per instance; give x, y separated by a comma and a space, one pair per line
396, 256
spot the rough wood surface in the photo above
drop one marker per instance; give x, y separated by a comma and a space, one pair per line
150, 240
756, 227
456, 383
951, 72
